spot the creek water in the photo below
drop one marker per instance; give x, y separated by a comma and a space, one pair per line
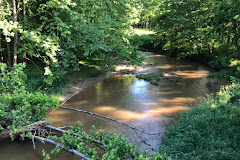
149, 108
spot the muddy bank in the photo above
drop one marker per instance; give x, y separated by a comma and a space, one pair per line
84, 84
124, 68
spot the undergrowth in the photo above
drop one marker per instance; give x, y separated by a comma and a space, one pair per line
209, 131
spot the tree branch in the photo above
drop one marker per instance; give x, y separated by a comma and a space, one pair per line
108, 118
79, 154
63, 131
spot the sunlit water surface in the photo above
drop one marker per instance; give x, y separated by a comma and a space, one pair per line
136, 102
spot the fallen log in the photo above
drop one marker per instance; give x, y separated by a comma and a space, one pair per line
5, 133
79, 154
108, 118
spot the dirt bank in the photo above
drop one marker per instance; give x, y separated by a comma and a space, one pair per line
75, 88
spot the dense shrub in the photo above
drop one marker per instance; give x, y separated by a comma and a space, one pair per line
209, 131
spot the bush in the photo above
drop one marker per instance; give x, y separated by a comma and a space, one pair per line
18, 107
209, 131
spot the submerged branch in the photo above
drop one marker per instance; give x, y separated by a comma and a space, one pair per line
79, 154
108, 118
75, 134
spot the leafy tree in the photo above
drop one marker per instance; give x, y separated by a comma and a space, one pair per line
62, 33
203, 28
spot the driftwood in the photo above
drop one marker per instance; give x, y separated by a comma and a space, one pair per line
38, 126
108, 118
79, 154
5, 133
75, 134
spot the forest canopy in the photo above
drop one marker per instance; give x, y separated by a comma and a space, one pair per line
60, 34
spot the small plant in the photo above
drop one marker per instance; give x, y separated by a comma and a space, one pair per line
153, 78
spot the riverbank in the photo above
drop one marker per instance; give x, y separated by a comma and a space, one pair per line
76, 85
209, 131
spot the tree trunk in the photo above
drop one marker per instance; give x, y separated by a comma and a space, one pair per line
1, 45
228, 40
16, 34
24, 11
210, 49
5, 134
237, 45
8, 55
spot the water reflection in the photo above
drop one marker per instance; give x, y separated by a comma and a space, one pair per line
137, 102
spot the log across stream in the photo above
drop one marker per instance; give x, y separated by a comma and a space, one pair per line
136, 102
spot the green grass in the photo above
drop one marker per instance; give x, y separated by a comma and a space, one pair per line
142, 31
142, 38
209, 131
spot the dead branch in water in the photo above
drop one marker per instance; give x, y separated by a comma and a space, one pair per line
79, 154
39, 126
111, 119
75, 134
64, 127
5, 133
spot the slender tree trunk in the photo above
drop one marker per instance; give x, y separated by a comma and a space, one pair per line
210, 49
16, 34
8, 55
1, 46
237, 38
228, 40
237, 45
108, 6
24, 11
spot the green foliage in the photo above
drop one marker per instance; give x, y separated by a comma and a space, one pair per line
153, 78
209, 131
145, 11
201, 28
22, 108
144, 40
9, 81
18, 108
114, 145
61, 33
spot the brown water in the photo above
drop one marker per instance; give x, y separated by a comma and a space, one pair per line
128, 99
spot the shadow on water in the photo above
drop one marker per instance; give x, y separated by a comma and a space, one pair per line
137, 102
140, 104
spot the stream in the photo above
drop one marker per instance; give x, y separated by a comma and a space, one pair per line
149, 108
